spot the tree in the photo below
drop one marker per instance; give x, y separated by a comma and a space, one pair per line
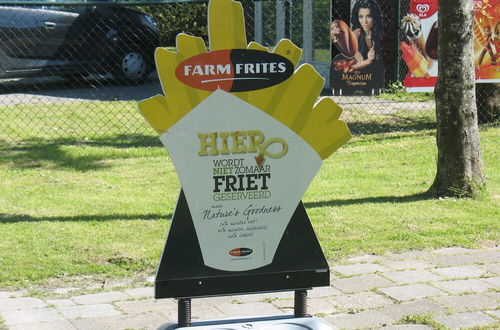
459, 164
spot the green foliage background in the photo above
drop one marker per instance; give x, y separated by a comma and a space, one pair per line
174, 18
191, 17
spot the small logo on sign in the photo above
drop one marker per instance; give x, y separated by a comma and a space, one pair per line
234, 70
422, 8
240, 252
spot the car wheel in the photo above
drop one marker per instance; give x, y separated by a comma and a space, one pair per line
132, 67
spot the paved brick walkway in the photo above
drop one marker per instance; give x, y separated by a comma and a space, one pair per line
452, 287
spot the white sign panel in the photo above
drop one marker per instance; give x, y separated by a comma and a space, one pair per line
243, 174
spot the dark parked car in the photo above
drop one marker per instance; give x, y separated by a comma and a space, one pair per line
74, 41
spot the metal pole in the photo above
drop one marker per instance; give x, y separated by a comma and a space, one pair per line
300, 303
280, 20
288, 19
307, 32
397, 8
184, 312
258, 26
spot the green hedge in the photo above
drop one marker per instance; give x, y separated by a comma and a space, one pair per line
175, 18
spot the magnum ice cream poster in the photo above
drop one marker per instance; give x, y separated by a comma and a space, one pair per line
419, 30
357, 67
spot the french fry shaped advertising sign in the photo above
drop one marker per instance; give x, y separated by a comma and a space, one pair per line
245, 135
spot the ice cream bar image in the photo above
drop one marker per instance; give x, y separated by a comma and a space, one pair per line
411, 26
415, 61
345, 40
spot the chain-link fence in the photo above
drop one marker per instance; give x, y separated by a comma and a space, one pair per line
75, 71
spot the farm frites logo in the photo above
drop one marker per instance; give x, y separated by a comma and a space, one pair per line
234, 70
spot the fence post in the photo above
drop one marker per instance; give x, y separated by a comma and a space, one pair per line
307, 32
397, 4
258, 37
280, 20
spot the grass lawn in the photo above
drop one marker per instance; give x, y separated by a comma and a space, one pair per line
103, 208
403, 96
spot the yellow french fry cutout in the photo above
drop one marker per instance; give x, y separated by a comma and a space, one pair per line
291, 102
337, 135
266, 99
226, 25
189, 46
180, 98
323, 130
297, 101
155, 111
288, 49
324, 111
256, 46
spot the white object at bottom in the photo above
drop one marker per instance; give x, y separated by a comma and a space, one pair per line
281, 322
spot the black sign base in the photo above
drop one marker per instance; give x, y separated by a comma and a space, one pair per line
299, 262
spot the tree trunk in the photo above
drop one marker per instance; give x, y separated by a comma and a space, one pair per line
459, 165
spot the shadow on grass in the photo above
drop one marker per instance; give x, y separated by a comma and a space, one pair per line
33, 157
12, 218
427, 195
32, 153
394, 124
115, 141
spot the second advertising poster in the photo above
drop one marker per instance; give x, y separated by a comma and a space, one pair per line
419, 47
357, 67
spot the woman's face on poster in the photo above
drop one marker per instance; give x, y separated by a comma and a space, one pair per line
365, 19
